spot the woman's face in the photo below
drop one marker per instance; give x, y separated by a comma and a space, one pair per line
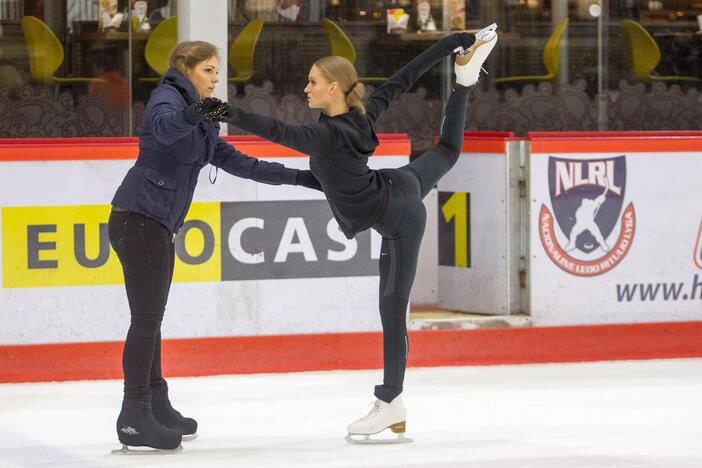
319, 91
204, 76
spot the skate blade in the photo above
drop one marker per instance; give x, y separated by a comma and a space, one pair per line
397, 428
189, 437
486, 31
127, 450
361, 439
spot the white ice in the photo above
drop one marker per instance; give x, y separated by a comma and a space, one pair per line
641, 414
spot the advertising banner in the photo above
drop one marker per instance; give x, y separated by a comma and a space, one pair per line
615, 227
251, 259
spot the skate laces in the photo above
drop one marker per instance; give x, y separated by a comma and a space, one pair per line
373, 412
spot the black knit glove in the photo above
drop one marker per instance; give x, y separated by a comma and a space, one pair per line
213, 109
305, 178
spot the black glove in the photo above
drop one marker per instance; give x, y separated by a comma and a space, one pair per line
213, 109
305, 178
461, 39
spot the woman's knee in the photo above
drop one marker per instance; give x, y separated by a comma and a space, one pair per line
147, 324
449, 150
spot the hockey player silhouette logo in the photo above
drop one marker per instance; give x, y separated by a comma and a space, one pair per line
585, 216
590, 235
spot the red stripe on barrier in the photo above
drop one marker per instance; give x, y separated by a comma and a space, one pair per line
666, 144
484, 142
625, 134
296, 353
484, 145
81, 149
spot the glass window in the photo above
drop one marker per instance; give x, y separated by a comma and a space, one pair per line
87, 67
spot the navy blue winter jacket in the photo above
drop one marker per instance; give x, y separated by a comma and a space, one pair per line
174, 144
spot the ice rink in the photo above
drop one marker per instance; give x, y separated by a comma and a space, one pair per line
641, 414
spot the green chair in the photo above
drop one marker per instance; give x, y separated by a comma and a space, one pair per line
46, 53
241, 52
644, 54
342, 46
551, 58
159, 46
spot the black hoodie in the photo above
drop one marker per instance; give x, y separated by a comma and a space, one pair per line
339, 146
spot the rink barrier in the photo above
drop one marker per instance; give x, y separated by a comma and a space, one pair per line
359, 350
474, 198
352, 351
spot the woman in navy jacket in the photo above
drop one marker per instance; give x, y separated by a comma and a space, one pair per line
388, 200
179, 136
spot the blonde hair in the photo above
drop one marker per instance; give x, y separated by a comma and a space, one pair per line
188, 54
342, 71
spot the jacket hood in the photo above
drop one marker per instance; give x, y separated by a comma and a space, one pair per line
179, 81
356, 131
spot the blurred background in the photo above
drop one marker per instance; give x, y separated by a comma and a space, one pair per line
75, 68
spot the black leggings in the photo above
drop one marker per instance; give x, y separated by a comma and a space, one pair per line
145, 249
402, 227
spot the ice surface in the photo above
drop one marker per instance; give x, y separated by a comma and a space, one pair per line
641, 414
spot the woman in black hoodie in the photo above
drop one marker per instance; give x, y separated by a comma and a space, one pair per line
388, 200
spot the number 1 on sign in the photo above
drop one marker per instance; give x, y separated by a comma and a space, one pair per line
456, 208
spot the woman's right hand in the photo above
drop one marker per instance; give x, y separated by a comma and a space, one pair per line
305, 178
213, 109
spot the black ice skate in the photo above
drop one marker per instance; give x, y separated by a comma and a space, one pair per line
137, 427
169, 417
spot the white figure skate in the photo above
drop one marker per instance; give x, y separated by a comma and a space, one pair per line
383, 416
470, 62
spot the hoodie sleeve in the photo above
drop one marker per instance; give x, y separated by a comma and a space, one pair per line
305, 138
170, 120
232, 161
403, 80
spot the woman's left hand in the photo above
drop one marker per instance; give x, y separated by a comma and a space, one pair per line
213, 109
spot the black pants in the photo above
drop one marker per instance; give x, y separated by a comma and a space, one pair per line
145, 249
402, 227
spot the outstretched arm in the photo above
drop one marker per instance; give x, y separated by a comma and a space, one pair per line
306, 138
267, 172
403, 80
241, 165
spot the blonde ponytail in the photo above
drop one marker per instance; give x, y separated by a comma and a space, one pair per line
354, 97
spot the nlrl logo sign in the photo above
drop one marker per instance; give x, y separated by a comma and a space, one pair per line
570, 174
587, 230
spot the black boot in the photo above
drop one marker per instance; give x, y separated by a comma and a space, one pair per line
137, 427
168, 416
